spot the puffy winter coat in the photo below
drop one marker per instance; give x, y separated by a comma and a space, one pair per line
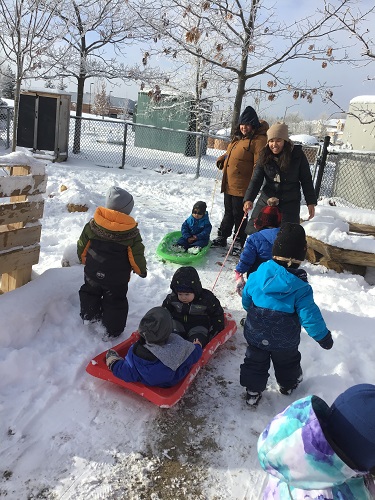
278, 302
300, 461
205, 310
198, 227
111, 246
257, 249
286, 186
152, 371
240, 159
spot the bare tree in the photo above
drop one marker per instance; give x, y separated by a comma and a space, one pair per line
247, 44
101, 102
96, 35
27, 30
359, 24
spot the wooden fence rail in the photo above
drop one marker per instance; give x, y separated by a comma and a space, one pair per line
20, 226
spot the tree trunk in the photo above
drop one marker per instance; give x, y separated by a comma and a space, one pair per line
238, 102
78, 124
15, 112
241, 75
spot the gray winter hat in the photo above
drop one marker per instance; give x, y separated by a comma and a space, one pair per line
120, 200
156, 325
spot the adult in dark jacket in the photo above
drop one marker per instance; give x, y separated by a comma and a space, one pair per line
160, 357
197, 313
238, 166
284, 170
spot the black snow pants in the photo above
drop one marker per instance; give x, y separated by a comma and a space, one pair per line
106, 303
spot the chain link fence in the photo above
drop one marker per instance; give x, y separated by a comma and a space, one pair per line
122, 144
348, 177
6, 124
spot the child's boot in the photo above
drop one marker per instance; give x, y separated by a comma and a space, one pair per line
253, 398
289, 391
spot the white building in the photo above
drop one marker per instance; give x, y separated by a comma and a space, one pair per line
359, 132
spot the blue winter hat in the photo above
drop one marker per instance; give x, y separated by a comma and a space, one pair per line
351, 424
249, 117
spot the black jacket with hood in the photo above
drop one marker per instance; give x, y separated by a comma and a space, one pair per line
205, 309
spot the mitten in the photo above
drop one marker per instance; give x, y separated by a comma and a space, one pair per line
327, 341
111, 358
143, 275
240, 282
220, 163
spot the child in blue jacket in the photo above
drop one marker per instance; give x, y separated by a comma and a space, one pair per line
278, 300
258, 246
195, 230
160, 357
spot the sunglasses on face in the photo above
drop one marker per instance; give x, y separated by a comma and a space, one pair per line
197, 212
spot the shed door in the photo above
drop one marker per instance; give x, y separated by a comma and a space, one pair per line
26, 121
46, 123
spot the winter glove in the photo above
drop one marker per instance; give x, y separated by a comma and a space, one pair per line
240, 282
220, 163
111, 358
327, 341
143, 275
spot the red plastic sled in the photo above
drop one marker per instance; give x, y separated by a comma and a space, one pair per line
162, 397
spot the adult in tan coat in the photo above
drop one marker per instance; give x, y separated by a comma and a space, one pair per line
238, 166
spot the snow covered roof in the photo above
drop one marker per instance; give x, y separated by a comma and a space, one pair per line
305, 139
365, 99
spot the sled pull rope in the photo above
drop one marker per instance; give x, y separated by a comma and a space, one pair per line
214, 191
230, 249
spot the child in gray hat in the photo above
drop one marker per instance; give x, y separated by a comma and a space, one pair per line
110, 247
160, 357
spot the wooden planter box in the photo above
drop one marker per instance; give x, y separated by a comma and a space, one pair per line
20, 226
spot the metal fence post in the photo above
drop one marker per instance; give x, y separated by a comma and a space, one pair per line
200, 148
124, 145
8, 128
321, 162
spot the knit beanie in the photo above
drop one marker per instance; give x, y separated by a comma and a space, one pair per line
120, 200
186, 280
269, 216
351, 425
200, 206
278, 130
249, 117
290, 245
156, 325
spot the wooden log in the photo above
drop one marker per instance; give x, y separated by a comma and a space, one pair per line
19, 258
354, 227
341, 254
340, 267
22, 237
24, 211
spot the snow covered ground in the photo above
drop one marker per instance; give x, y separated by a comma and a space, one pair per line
66, 435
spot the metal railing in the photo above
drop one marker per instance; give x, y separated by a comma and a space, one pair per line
125, 144
346, 176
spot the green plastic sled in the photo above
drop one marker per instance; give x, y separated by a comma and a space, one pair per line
166, 253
